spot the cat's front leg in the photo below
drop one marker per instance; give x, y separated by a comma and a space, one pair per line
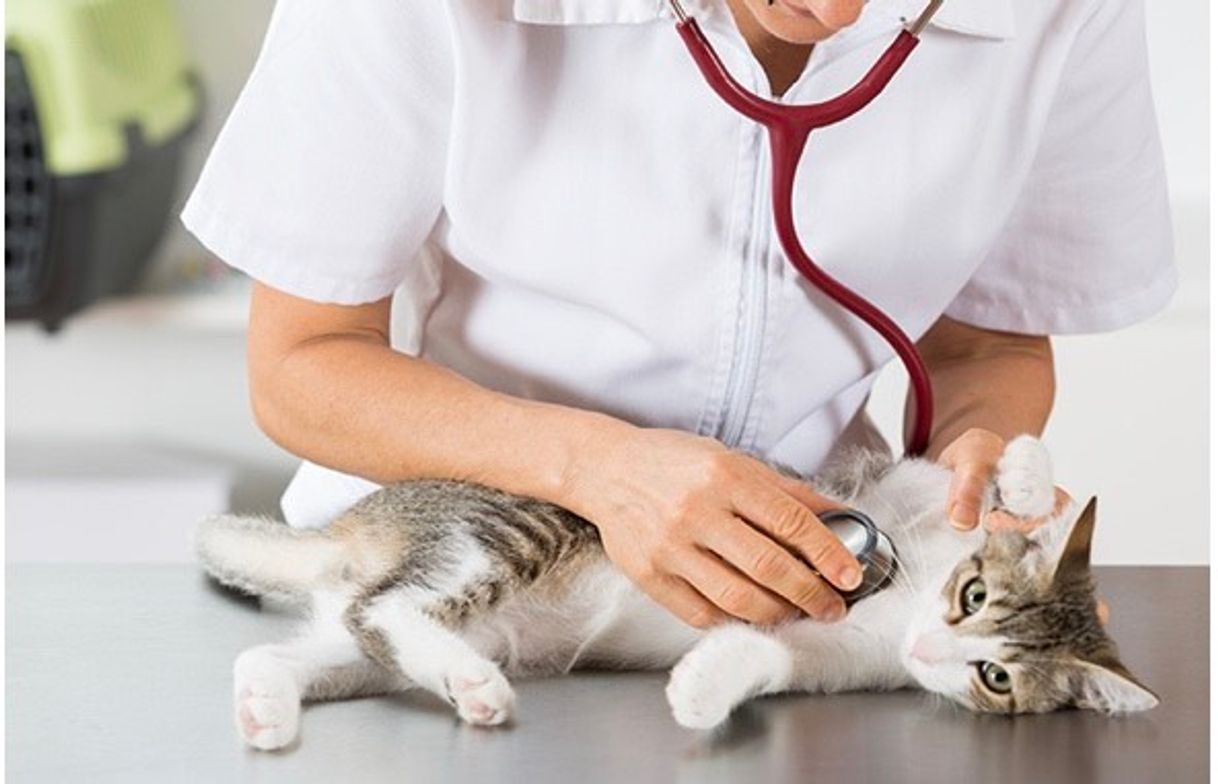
728, 666
1024, 479
845, 656
737, 662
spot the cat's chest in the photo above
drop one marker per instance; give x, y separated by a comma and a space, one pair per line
909, 505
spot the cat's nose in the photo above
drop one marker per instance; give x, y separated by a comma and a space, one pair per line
932, 648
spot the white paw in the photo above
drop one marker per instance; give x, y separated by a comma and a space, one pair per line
698, 696
267, 707
481, 694
1025, 478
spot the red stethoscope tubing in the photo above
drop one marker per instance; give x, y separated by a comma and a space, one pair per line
788, 128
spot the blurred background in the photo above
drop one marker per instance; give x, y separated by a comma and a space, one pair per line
130, 420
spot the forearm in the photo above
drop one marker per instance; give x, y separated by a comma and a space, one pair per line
1000, 383
348, 401
705, 531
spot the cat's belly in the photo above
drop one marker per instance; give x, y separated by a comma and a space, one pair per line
638, 633
601, 620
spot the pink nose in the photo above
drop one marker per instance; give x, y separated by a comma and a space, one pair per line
931, 648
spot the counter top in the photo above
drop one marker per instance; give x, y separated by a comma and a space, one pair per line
122, 673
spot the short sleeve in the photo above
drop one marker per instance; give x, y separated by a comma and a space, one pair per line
1088, 246
328, 175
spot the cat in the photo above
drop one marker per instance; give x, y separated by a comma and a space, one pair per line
451, 586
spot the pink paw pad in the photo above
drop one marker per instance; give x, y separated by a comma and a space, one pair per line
482, 700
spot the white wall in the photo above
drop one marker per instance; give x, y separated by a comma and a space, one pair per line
1131, 423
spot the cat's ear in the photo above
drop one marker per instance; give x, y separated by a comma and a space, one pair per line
1075, 558
1110, 688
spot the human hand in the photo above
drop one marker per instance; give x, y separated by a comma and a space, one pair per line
973, 458
707, 532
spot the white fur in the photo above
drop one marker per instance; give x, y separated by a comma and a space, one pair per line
1109, 693
731, 664
294, 565
269, 681
1025, 478
441, 661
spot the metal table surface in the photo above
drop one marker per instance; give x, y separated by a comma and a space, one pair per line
121, 673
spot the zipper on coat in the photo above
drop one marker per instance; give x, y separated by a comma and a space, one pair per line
754, 295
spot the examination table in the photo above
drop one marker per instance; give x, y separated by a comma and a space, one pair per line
122, 673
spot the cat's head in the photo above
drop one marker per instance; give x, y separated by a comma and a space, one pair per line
1015, 629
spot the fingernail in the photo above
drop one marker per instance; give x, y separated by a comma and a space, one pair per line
834, 613
850, 577
958, 520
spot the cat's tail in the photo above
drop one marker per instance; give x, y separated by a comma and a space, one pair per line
268, 557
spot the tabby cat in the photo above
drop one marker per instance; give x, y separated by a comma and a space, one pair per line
451, 586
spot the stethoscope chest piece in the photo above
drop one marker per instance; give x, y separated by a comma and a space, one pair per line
871, 546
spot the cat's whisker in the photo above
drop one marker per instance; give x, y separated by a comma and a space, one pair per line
917, 551
902, 579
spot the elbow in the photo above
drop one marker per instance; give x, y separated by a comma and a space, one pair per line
262, 409
265, 405
297, 355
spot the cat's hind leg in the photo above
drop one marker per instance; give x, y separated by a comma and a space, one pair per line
727, 667
323, 663
451, 579
270, 681
397, 630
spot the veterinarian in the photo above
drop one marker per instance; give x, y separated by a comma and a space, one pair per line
522, 243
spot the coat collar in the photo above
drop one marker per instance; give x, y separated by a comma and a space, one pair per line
982, 18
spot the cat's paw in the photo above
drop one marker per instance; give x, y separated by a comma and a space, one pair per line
698, 696
481, 694
1025, 478
730, 665
267, 705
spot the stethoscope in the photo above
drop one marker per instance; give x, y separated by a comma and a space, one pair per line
789, 127
869, 545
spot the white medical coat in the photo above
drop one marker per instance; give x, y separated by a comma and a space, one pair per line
567, 213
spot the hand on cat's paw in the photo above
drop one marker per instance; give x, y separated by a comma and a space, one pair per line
1003, 520
973, 458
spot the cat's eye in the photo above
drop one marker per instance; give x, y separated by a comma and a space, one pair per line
995, 678
972, 598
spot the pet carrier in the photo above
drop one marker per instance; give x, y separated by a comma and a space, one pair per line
99, 100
